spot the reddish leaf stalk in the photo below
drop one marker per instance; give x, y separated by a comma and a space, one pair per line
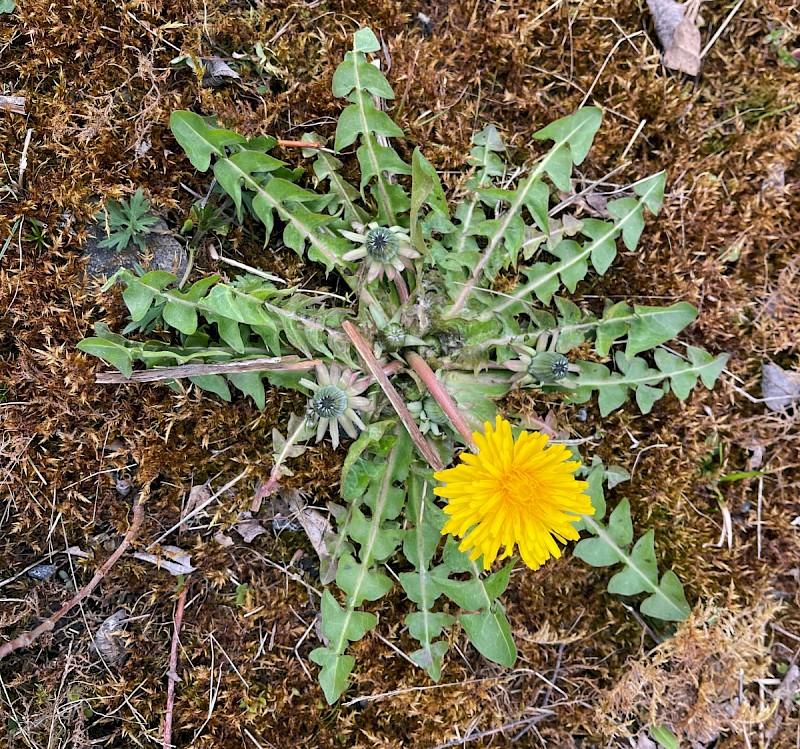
402, 289
297, 143
442, 397
365, 352
28, 638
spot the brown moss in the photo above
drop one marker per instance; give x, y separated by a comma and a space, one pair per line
693, 681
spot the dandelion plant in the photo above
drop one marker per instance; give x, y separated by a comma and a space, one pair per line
406, 374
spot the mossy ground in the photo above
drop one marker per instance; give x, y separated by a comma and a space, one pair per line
100, 88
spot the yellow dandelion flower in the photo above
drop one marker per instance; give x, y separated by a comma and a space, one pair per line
513, 492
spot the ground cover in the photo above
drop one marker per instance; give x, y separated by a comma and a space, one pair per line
100, 87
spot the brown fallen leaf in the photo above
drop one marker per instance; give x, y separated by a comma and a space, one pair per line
676, 27
316, 526
217, 72
197, 495
248, 528
223, 539
107, 641
780, 387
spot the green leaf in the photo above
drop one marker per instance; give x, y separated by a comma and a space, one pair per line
7, 6
614, 325
326, 167
669, 603
576, 130
430, 657
651, 326
199, 140
360, 582
641, 572
543, 279
595, 478
230, 172
360, 81
138, 298
374, 432
646, 397
356, 72
180, 316
422, 587
616, 475
334, 678
375, 159
250, 383
475, 593
116, 355
364, 40
340, 625
651, 190
364, 119
425, 188
708, 367
596, 551
665, 738
574, 263
613, 388
633, 227
490, 633
213, 384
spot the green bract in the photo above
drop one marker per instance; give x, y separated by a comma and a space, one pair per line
421, 267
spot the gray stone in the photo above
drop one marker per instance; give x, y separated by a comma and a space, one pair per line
163, 250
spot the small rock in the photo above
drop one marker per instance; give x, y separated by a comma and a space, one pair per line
42, 571
166, 251
280, 523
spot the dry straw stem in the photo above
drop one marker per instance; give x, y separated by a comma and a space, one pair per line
272, 364
437, 390
28, 638
13, 104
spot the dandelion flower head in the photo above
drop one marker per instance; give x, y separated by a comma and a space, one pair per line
513, 492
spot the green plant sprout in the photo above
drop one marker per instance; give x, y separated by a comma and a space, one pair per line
127, 221
38, 235
417, 357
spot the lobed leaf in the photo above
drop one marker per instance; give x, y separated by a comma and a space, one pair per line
667, 600
200, 140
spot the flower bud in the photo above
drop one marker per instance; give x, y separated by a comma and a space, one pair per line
392, 336
548, 366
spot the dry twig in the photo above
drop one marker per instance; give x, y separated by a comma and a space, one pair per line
28, 638
172, 674
271, 363
13, 104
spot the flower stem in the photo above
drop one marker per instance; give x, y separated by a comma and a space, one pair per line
365, 352
189, 266
442, 397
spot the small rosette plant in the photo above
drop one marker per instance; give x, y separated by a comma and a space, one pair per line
414, 363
